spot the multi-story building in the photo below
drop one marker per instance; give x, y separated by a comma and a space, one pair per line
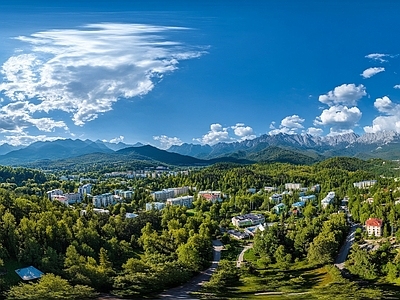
292, 186
56, 192
126, 194
73, 198
248, 220
103, 200
85, 189
364, 184
169, 193
183, 201
155, 205
374, 226
328, 199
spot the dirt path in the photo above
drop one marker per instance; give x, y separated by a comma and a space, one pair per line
183, 291
241, 255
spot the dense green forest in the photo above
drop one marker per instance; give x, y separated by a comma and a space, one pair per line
140, 257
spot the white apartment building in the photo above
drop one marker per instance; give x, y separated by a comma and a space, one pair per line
328, 199
85, 189
183, 201
292, 186
364, 184
103, 200
155, 205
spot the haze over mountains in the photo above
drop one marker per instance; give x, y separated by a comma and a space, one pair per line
296, 148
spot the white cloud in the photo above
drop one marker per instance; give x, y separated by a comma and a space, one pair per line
391, 118
25, 139
292, 122
314, 131
216, 135
243, 131
85, 71
166, 142
397, 86
289, 125
378, 57
345, 94
368, 73
116, 140
340, 119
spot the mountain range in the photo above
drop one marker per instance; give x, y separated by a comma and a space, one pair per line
296, 148
384, 144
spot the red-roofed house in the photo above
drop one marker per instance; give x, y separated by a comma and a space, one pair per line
374, 226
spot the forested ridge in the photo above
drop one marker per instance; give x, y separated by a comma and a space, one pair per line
140, 257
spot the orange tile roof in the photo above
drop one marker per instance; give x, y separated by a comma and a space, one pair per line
374, 222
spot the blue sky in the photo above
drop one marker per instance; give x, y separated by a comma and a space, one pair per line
168, 72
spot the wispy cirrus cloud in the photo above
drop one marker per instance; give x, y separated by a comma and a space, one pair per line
380, 57
84, 71
368, 73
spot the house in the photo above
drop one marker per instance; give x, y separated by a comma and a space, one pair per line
248, 220
316, 188
130, 215
270, 189
307, 198
374, 226
298, 205
279, 208
253, 229
276, 198
251, 190
237, 234
212, 196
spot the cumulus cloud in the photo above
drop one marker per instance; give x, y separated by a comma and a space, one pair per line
345, 94
380, 57
289, 125
166, 142
84, 71
390, 120
397, 86
340, 119
118, 139
243, 132
368, 73
314, 131
216, 135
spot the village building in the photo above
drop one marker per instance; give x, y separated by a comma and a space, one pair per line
374, 226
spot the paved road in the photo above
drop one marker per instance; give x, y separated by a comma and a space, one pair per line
240, 257
183, 291
344, 250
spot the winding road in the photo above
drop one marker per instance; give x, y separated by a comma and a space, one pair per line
183, 291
